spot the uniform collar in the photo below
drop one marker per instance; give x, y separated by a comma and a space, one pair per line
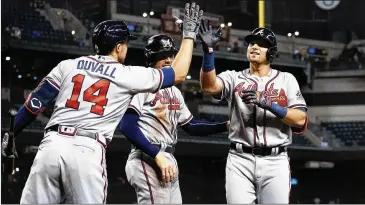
247, 72
104, 59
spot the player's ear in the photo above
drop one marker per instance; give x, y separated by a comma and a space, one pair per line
120, 46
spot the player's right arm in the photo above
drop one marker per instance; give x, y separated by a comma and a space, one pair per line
209, 82
190, 29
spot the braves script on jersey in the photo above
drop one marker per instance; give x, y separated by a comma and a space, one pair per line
96, 90
160, 114
252, 125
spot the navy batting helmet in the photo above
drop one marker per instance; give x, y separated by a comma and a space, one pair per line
109, 33
268, 36
158, 44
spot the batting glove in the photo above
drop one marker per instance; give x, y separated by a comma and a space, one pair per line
208, 39
4, 148
191, 22
255, 97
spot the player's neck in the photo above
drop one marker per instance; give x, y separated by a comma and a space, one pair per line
260, 70
114, 56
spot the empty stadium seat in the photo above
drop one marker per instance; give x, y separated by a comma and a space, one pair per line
351, 132
33, 26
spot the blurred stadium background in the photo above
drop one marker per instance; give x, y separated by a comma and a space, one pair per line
321, 43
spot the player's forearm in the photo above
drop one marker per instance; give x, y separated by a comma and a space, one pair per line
36, 102
295, 118
22, 120
208, 82
203, 128
208, 77
182, 61
130, 129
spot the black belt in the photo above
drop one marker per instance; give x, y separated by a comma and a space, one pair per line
261, 151
78, 132
169, 149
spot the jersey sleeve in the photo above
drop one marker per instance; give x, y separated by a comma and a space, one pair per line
142, 79
55, 76
295, 97
137, 102
184, 114
227, 77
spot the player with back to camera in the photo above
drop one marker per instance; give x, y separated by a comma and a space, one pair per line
265, 106
91, 96
151, 124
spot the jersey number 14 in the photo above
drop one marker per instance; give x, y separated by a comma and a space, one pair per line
100, 99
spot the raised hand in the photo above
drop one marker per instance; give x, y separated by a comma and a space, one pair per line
208, 38
191, 22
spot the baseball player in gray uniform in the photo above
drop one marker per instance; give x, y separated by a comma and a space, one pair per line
91, 95
265, 106
151, 123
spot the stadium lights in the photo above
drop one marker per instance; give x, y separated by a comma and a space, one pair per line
73, 32
144, 15
296, 33
35, 78
20, 76
7, 58
229, 24
152, 13
223, 25
17, 169
188, 77
289, 34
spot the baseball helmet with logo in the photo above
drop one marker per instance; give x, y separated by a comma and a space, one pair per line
268, 36
158, 44
108, 34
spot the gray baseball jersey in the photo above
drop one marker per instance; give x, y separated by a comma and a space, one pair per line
249, 177
252, 125
160, 115
94, 93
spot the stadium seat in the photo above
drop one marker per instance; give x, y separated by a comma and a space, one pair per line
350, 133
34, 27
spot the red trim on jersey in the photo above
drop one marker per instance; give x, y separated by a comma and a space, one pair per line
102, 175
34, 113
52, 82
187, 120
264, 123
160, 84
148, 182
254, 111
254, 128
109, 62
135, 108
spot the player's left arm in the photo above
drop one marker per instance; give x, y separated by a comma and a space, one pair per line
296, 115
202, 128
196, 127
38, 100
